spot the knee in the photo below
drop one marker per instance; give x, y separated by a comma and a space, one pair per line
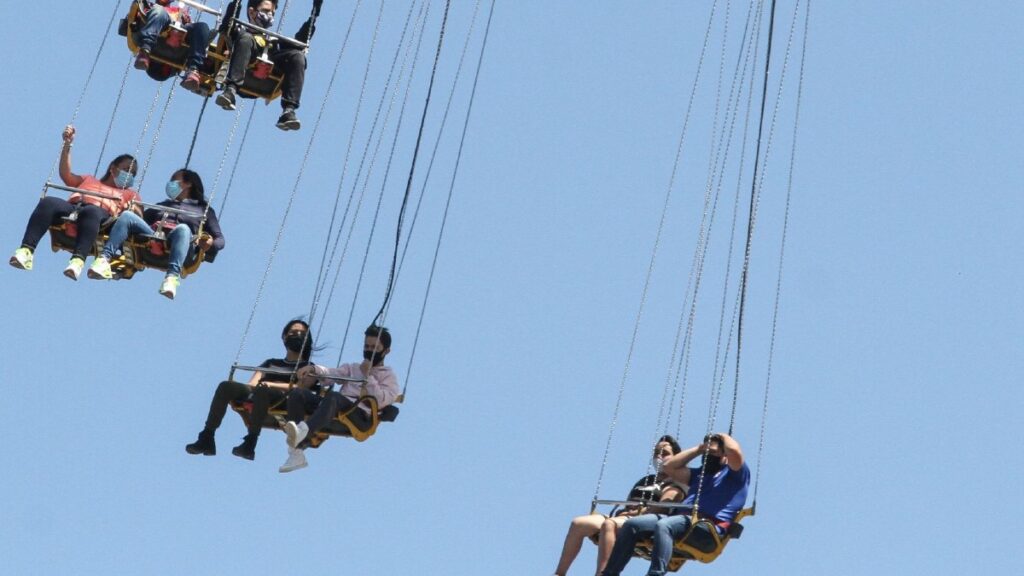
50, 203
158, 14
181, 231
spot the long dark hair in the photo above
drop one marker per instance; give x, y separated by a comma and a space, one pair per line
196, 192
307, 348
118, 160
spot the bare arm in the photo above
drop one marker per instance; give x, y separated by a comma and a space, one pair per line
256, 377
733, 452
69, 178
675, 467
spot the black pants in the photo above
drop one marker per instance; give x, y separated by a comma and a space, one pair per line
229, 391
290, 62
51, 209
323, 410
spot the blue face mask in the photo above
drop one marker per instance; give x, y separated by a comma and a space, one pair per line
124, 179
264, 19
173, 189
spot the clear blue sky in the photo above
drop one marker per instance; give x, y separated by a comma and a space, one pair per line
892, 432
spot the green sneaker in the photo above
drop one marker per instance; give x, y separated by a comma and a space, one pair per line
170, 286
74, 269
22, 258
100, 269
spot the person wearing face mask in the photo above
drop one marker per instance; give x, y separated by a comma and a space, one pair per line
263, 390
116, 196
185, 193
601, 529
721, 484
289, 60
380, 382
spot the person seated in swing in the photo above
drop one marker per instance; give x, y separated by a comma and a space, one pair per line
159, 16
377, 379
601, 529
288, 59
114, 195
263, 390
184, 193
721, 484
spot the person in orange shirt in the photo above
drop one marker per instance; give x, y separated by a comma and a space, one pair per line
117, 195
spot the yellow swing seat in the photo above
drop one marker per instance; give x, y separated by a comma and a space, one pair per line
171, 50
702, 542
353, 423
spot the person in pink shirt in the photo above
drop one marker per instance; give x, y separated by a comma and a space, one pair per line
373, 376
115, 195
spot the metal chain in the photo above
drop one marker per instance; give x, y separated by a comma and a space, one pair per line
369, 172
451, 189
437, 144
234, 167
654, 254
85, 87
145, 129
113, 114
782, 248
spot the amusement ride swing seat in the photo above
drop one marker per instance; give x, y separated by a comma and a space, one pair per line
702, 542
352, 423
261, 80
172, 49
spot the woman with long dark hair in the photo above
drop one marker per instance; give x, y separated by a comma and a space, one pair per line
185, 194
601, 529
113, 195
264, 390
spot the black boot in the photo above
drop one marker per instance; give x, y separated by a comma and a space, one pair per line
226, 99
203, 445
247, 449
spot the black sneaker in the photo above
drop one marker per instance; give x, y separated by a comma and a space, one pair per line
288, 121
247, 449
203, 445
226, 99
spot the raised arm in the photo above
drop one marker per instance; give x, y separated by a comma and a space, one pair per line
69, 178
733, 452
675, 466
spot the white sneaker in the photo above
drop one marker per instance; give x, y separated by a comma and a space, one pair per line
100, 269
22, 258
169, 287
295, 433
296, 459
74, 269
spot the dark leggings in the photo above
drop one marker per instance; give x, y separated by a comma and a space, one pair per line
51, 209
290, 62
302, 402
230, 391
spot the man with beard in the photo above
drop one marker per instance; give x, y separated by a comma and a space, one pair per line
721, 484
371, 376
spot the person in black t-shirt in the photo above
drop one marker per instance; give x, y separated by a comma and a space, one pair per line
601, 529
264, 389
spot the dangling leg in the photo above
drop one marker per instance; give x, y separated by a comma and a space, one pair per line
156, 20
580, 528
127, 223
90, 218
606, 540
291, 63
47, 212
180, 238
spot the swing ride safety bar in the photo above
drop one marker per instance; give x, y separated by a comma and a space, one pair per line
200, 7
671, 505
266, 32
78, 191
286, 372
167, 209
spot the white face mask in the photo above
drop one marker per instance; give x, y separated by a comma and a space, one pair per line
658, 463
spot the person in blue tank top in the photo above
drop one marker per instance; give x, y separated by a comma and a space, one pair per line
718, 490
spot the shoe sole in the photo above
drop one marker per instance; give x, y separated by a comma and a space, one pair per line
224, 103
286, 126
201, 452
71, 274
290, 433
97, 276
240, 455
17, 264
169, 295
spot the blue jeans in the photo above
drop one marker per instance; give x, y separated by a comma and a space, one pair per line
197, 35
131, 223
663, 529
